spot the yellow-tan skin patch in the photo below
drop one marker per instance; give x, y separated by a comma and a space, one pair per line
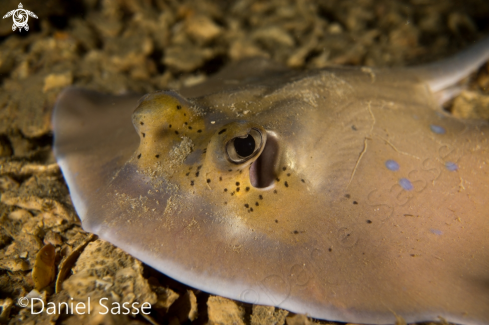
170, 131
161, 122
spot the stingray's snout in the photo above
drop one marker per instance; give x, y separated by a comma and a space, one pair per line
262, 171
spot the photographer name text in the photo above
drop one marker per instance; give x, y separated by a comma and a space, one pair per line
82, 308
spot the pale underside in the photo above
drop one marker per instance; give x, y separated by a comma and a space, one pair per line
346, 236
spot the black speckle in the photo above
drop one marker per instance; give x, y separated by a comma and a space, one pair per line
199, 131
169, 126
142, 123
247, 205
230, 170
284, 168
302, 181
197, 174
205, 150
225, 203
157, 156
330, 249
190, 128
347, 196
222, 131
220, 178
184, 114
369, 221
199, 167
247, 188
240, 171
237, 189
144, 135
296, 232
176, 132
276, 221
232, 194
179, 107
355, 202
139, 156
286, 184
225, 190
260, 196
275, 191
251, 209
185, 123
353, 127
288, 174
256, 203
412, 255
277, 179
190, 168
237, 183
192, 183
208, 180
187, 174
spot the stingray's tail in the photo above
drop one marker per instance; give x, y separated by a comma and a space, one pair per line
443, 74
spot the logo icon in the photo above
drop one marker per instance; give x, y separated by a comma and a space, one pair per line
20, 17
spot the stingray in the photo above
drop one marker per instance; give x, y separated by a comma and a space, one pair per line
343, 193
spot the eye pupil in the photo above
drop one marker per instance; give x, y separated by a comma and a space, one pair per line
244, 146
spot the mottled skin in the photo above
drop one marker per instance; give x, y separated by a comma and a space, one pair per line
328, 230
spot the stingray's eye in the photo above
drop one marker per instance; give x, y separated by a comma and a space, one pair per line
240, 149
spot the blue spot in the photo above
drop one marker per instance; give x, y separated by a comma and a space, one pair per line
451, 166
436, 232
392, 165
437, 129
406, 184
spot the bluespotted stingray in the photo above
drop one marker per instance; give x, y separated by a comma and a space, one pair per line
343, 193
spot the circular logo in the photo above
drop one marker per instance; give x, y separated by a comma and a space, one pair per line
20, 17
